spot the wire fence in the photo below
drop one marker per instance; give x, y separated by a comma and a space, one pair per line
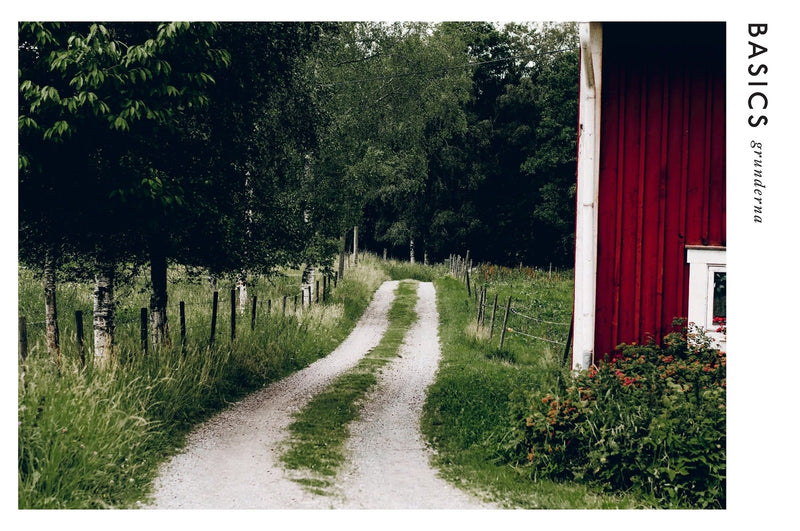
208, 316
516, 319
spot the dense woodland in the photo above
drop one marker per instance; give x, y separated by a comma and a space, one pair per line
241, 147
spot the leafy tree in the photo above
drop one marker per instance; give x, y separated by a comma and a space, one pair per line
92, 99
393, 101
509, 180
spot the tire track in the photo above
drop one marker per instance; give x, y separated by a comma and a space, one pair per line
232, 460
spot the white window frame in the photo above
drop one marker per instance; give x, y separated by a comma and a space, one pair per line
703, 262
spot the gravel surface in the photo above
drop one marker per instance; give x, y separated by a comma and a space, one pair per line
389, 467
232, 460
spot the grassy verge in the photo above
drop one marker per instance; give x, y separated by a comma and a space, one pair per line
320, 429
466, 412
398, 270
94, 438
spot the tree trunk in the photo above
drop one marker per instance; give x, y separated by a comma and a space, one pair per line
241, 285
159, 329
355, 245
307, 284
103, 315
341, 256
411, 250
50, 313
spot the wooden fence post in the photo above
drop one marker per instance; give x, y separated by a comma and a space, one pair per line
569, 340
284, 305
478, 319
316, 295
182, 314
295, 304
214, 306
469, 293
79, 334
233, 314
23, 338
505, 322
494, 310
483, 307
143, 321
269, 307
253, 314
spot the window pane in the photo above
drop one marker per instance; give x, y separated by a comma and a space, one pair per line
719, 294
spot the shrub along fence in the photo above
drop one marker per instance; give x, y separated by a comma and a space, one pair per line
289, 304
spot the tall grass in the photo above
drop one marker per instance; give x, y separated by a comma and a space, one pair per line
466, 413
93, 438
398, 270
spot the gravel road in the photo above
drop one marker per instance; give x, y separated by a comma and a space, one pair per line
232, 460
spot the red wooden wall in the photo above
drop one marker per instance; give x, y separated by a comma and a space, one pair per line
662, 172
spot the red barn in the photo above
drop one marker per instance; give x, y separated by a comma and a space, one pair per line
650, 226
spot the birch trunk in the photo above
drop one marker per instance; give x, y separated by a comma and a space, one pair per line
341, 256
355, 245
241, 285
411, 250
306, 283
103, 315
159, 328
50, 312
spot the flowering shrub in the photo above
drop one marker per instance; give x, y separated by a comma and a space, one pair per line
652, 419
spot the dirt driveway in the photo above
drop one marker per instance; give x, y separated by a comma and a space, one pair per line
232, 461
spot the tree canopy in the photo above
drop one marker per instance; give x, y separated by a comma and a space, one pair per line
243, 146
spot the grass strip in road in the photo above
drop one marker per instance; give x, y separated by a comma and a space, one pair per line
319, 431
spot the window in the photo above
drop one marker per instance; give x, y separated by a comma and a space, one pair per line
707, 291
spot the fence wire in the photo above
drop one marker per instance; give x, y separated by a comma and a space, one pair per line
513, 331
514, 311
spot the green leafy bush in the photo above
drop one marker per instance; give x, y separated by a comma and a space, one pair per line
651, 420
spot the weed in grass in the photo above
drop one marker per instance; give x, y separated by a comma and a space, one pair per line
502, 355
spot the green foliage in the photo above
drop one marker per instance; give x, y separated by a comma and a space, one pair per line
466, 411
652, 420
94, 439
